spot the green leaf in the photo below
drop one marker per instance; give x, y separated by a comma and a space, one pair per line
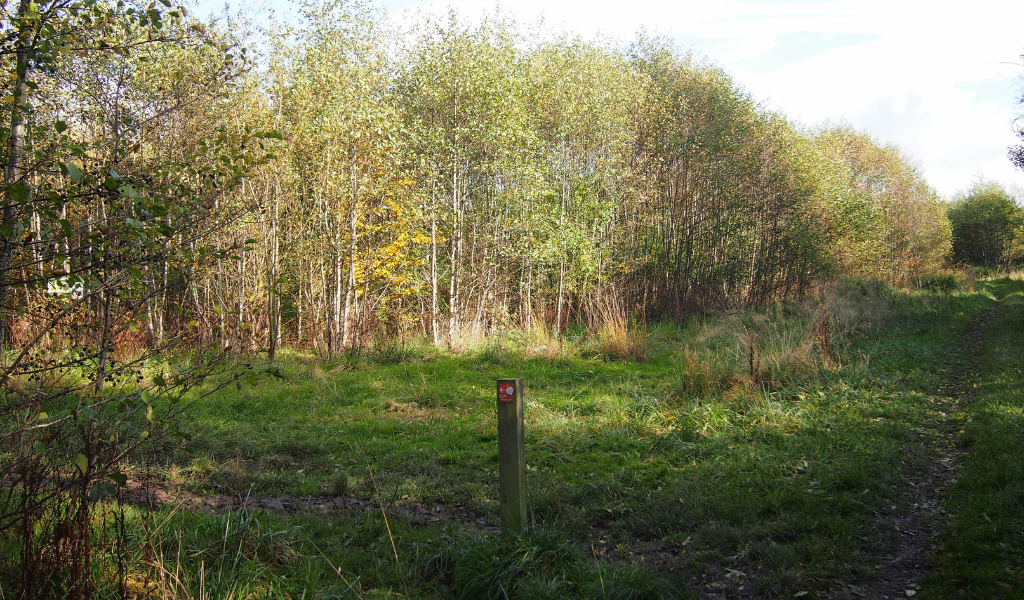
74, 172
119, 478
60, 126
150, 414
65, 228
20, 191
81, 462
134, 222
181, 435
100, 491
128, 190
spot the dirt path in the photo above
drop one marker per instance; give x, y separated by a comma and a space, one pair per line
155, 495
919, 515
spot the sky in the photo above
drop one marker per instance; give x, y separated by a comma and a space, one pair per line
941, 80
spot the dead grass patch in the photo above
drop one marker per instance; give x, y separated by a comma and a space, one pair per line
411, 411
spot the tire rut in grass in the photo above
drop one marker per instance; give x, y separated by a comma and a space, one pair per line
931, 469
417, 512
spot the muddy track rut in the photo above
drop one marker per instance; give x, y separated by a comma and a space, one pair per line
901, 573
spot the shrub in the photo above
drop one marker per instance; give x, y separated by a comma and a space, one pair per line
945, 283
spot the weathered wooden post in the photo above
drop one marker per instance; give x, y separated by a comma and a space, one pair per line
511, 455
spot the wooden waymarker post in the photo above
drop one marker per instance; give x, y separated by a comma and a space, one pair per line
511, 455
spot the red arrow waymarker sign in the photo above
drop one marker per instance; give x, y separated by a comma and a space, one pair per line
506, 392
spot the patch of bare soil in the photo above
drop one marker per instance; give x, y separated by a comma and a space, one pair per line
919, 515
156, 496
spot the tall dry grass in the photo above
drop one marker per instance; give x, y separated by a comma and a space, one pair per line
778, 346
616, 336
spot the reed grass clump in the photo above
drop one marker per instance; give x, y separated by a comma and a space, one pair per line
616, 336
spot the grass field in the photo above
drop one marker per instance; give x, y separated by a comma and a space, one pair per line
772, 453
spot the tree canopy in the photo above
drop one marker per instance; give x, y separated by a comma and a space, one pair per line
986, 222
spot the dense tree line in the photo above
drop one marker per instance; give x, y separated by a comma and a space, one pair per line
118, 188
453, 180
448, 180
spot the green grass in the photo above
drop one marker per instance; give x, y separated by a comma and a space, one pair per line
654, 479
778, 482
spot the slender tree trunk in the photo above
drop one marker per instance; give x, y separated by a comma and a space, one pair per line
561, 263
13, 168
240, 316
456, 247
433, 273
529, 298
350, 291
328, 329
273, 296
150, 320
336, 335
162, 308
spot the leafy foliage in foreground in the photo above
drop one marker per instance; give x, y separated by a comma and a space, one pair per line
97, 228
